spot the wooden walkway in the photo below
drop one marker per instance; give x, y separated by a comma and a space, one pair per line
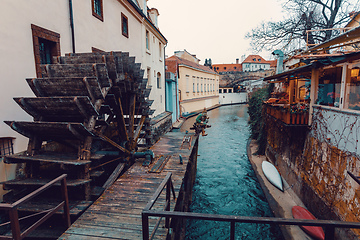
117, 213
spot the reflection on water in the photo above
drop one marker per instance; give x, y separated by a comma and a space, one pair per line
225, 182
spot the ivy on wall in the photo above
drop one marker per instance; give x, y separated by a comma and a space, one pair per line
257, 117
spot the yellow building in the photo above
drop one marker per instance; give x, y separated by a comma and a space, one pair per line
198, 84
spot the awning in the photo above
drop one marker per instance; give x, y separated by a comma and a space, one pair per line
344, 39
305, 71
300, 72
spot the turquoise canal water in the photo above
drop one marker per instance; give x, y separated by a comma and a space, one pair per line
225, 181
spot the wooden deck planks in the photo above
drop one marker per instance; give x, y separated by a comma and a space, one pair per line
117, 213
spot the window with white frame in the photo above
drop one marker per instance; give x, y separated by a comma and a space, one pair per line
147, 40
158, 80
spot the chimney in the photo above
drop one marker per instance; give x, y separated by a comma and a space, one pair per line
237, 61
280, 64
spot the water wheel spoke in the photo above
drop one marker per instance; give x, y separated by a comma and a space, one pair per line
139, 127
132, 100
121, 123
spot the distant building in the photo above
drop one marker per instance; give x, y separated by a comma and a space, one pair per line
198, 84
228, 68
255, 63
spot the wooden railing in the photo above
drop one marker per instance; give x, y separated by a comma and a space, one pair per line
282, 113
12, 209
328, 225
145, 216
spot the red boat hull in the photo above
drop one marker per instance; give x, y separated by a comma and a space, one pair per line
301, 213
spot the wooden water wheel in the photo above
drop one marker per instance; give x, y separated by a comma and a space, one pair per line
91, 110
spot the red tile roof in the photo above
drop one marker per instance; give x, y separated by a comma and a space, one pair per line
181, 61
251, 58
227, 67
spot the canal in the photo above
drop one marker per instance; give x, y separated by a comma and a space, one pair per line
225, 181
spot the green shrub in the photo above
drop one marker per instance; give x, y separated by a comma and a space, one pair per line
257, 117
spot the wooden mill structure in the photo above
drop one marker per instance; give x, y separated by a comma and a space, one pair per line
90, 115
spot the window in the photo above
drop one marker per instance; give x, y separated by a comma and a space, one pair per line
193, 87
97, 9
353, 90
220, 90
6, 146
160, 52
230, 91
147, 40
329, 87
158, 80
46, 46
124, 26
187, 83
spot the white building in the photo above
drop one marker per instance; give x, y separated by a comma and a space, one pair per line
255, 63
32, 31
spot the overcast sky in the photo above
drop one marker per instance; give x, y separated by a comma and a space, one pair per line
212, 28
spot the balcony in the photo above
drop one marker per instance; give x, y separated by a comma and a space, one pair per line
291, 115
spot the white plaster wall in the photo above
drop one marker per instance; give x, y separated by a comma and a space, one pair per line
17, 56
339, 128
232, 98
106, 35
155, 61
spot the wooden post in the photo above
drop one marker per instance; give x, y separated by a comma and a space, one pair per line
343, 103
15, 225
313, 91
145, 226
329, 233
232, 230
65, 197
168, 199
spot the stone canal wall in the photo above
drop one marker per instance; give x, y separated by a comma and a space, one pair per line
316, 170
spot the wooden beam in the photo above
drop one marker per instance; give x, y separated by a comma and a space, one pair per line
139, 127
112, 143
121, 122
132, 101
114, 175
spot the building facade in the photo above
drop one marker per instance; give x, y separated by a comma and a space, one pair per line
34, 31
31, 36
198, 84
255, 63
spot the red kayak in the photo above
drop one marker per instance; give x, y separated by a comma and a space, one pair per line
301, 213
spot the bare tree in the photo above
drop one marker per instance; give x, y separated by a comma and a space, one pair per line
301, 16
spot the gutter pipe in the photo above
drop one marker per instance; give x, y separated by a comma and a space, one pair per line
72, 26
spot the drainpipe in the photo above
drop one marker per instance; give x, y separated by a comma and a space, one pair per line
72, 26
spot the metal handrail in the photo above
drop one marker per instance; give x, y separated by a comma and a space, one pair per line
329, 225
145, 217
13, 211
